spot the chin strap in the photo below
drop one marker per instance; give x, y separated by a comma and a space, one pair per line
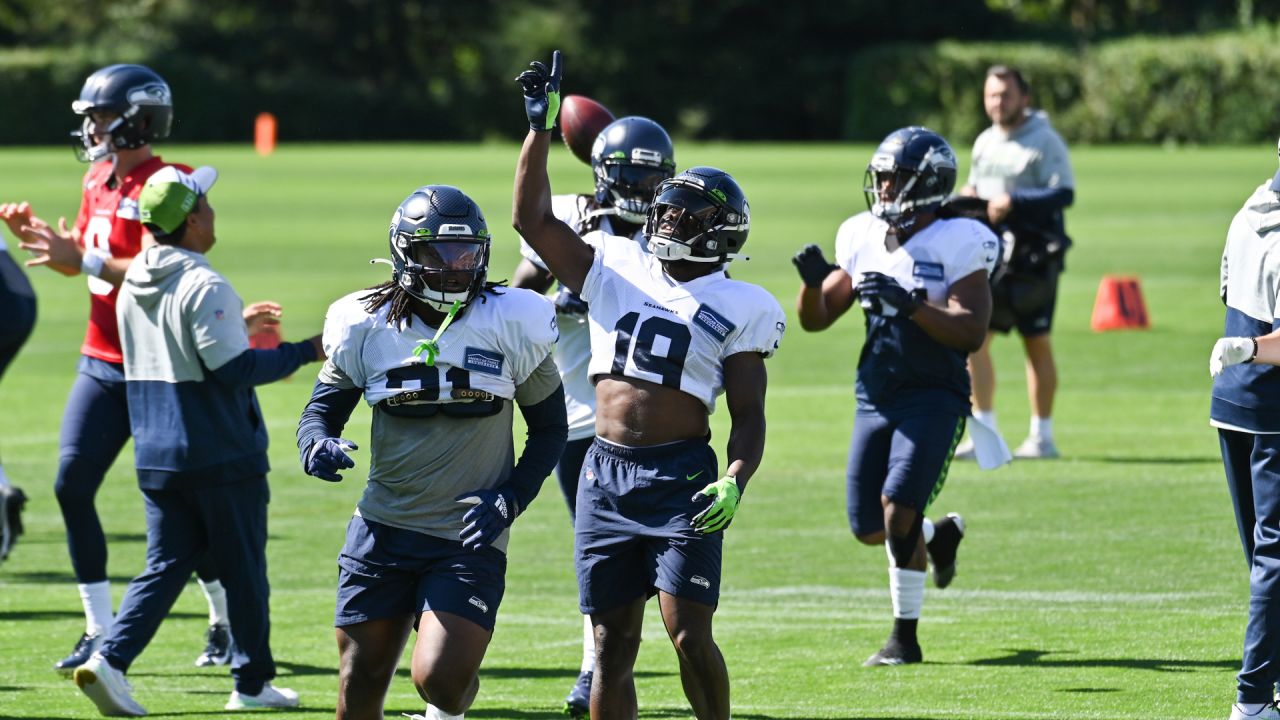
383, 261
430, 349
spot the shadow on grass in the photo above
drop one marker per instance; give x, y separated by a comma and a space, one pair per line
683, 713
1132, 460
75, 614
49, 577
1040, 659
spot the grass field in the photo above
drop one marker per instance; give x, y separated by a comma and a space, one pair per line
1109, 584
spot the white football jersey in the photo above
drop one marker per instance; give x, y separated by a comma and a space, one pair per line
648, 326
573, 352
933, 259
491, 348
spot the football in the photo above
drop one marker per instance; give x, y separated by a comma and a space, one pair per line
581, 120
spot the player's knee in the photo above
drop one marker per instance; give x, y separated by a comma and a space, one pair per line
447, 691
616, 643
875, 538
693, 644
77, 482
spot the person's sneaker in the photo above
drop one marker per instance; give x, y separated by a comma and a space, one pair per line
270, 697
107, 688
947, 534
964, 451
217, 649
1267, 712
433, 713
578, 703
86, 646
1036, 448
895, 652
12, 500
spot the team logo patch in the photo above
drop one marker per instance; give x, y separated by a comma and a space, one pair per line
713, 322
128, 209
483, 361
699, 580
928, 271
479, 603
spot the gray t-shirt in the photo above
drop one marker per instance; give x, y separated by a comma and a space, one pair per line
1032, 156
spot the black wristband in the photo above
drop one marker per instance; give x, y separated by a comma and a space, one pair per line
1253, 356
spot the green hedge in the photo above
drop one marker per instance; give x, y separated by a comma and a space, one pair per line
1211, 89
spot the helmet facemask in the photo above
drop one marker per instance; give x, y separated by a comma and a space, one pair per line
899, 195
82, 140
629, 184
685, 224
445, 268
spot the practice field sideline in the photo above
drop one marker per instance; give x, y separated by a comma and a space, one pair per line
1109, 584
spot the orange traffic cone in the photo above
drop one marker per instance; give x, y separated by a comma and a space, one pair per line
1119, 305
264, 133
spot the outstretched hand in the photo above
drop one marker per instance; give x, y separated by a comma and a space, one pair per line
57, 249
261, 315
813, 266
542, 93
328, 456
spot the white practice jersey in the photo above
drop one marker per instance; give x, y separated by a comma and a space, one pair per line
933, 259
494, 346
573, 352
647, 326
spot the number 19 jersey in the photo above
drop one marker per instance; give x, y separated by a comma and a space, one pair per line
646, 325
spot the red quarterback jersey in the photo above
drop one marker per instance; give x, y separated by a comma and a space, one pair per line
109, 221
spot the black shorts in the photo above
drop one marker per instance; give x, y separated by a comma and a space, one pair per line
1024, 300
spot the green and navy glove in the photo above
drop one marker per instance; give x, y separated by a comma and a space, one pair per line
494, 512
882, 295
542, 93
724, 496
1230, 351
813, 266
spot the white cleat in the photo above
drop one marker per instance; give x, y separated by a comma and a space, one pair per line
270, 697
1036, 448
107, 688
1266, 711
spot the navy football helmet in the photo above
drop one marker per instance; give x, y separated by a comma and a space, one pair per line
699, 215
439, 246
630, 158
912, 172
137, 96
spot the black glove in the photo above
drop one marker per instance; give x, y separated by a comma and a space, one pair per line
542, 93
813, 267
568, 302
882, 295
328, 456
494, 512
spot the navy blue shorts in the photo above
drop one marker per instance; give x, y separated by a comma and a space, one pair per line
388, 572
632, 534
17, 307
905, 459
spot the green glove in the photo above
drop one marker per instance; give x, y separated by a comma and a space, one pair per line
542, 93
724, 496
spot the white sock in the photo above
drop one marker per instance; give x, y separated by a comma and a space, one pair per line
217, 597
927, 530
435, 713
1251, 708
96, 598
987, 417
1042, 427
588, 645
4, 479
906, 589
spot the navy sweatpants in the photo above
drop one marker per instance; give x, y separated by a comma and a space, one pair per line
95, 427
229, 523
17, 307
1252, 464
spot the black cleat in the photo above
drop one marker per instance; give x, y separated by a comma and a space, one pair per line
85, 647
217, 650
895, 652
947, 534
12, 500
578, 703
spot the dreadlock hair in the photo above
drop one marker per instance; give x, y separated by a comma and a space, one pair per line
390, 293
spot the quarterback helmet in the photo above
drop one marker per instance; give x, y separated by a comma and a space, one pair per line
699, 215
138, 98
439, 246
630, 158
912, 172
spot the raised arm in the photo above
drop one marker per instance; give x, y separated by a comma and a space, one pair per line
827, 292
565, 254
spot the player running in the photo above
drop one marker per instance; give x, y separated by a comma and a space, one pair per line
669, 333
125, 108
629, 159
922, 283
440, 354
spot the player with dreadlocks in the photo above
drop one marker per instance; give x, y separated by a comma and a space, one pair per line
440, 354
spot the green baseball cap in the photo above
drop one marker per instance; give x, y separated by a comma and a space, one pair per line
170, 195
